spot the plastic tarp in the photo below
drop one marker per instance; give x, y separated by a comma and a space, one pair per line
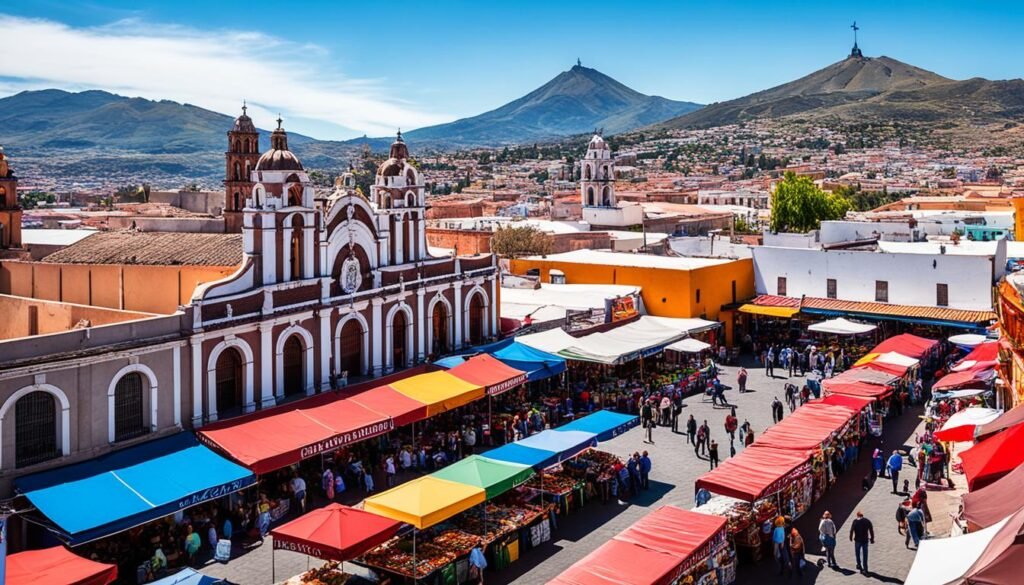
425, 501
807, 428
550, 341
440, 391
334, 533
961, 426
1010, 418
187, 577
132, 486
945, 560
493, 476
968, 378
993, 457
753, 473
603, 423
56, 566
653, 551
266, 443
840, 326
907, 344
516, 453
769, 311
489, 372
689, 345
538, 364
996, 501
566, 443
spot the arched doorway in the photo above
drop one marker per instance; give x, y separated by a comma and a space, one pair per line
229, 383
590, 196
351, 353
294, 371
35, 435
476, 319
439, 319
399, 326
129, 407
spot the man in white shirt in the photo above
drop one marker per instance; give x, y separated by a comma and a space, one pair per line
298, 486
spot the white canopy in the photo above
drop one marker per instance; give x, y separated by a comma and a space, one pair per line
897, 359
689, 345
945, 560
840, 326
551, 341
646, 334
968, 339
966, 393
973, 416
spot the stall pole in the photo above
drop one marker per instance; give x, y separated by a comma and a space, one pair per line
273, 564
415, 564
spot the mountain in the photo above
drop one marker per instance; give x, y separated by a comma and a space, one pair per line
575, 101
859, 88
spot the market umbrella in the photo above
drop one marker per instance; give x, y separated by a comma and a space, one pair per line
961, 426
334, 532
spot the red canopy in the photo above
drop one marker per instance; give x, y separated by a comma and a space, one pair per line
489, 372
984, 352
811, 425
1008, 419
56, 566
894, 369
1002, 559
390, 402
858, 389
753, 473
990, 504
906, 344
335, 533
993, 458
972, 378
856, 403
655, 550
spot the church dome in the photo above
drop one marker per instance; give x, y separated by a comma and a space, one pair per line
395, 165
278, 158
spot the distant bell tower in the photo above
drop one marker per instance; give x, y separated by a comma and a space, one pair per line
10, 210
241, 156
855, 52
597, 174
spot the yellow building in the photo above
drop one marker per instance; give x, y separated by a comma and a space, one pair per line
670, 286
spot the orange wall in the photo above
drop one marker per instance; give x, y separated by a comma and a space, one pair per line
150, 289
666, 292
52, 317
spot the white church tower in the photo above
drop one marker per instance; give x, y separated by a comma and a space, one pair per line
597, 190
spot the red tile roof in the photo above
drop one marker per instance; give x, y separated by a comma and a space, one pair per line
776, 301
909, 311
153, 248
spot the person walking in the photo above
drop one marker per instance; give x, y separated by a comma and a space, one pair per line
646, 413
769, 363
651, 423
827, 536
666, 410
902, 511
876, 463
731, 422
677, 409
796, 551
915, 525
645, 470
698, 444
895, 464
704, 430
713, 454
750, 438
691, 431
777, 410
862, 533
779, 548
741, 379
633, 467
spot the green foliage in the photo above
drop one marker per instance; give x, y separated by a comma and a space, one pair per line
865, 200
35, 199
798, 205
513, 241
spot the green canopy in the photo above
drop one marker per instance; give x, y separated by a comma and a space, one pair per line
493, 476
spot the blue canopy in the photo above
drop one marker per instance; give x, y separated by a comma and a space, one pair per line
603, 423
187, 577
450, 362
516, 453
126, 488
566, 443
537, 364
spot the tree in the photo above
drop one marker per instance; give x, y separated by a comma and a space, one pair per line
513, 241
798, 205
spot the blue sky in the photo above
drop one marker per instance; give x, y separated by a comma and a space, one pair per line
338, 69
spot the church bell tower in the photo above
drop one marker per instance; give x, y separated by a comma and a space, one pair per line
10, 210
240, 158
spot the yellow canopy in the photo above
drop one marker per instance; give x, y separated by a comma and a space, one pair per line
769, 311
425, 501
440, 391
867, 359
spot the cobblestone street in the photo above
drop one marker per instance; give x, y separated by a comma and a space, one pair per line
674, 472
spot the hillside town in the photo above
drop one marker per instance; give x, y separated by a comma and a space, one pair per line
453, 366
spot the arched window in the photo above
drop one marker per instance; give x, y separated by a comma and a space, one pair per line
238, 171
297, 248
398, 336
477, 314
586, 172
129, 420
248, 170
351, 360
295, 196
247, 145
35, 435
236, 147
606, 198
229, 383
439, 329
294, 370
590, 195
604, 172
410, 200
237, 201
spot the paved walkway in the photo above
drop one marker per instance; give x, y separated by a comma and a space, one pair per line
675, 470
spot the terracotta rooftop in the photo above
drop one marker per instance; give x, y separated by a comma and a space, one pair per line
153, 248
908, 311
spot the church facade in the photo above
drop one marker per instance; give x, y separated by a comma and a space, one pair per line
328, 291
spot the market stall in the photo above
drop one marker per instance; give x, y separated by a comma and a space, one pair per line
493, 476
605, 424
424, 501
56, 566
129, 487
962, 425
809, 427
993, 457
754, 473
669, 545
489, 372
991, 555
187, 576
841, 326
440, 391
987, 506
909, 345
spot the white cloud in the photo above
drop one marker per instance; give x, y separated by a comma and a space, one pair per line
210, 69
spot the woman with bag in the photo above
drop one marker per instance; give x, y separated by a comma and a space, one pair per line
827, 536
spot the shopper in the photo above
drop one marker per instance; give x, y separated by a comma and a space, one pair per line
298, 486
741, 379
477, 563
876, 463
713, 454
827, 536
691, 431
731, 422
796, 551
651, 423
645, 470
779, 548
895, 464
677, 409
769, 363
862, 533
750, 438
777, 410
915, 525
703, 436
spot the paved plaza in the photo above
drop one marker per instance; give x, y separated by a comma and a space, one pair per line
675, 470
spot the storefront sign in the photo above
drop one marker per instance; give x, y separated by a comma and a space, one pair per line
306, 549
215, 492
506, 385
342, 439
